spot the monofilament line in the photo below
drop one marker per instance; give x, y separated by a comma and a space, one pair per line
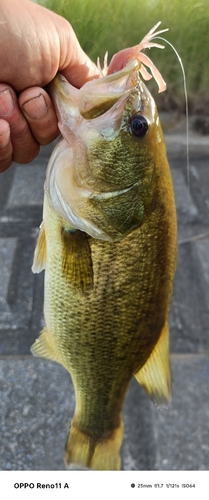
186, 102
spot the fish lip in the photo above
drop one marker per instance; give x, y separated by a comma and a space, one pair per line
59, 82
131, 66
99, 93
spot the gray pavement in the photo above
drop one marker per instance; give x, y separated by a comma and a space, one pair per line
37, 400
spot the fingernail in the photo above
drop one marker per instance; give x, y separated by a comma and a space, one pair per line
36, 107
6, 103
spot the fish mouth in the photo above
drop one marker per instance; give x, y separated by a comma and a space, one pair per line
97, 108
96, 96
108, 90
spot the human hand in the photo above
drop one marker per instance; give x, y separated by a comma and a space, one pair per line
35, 45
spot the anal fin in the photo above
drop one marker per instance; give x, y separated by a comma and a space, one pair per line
43, 347
155, 376
39, 260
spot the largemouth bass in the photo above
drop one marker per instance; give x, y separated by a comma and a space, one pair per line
108, 246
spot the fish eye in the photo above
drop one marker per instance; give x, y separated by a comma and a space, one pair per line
139, 125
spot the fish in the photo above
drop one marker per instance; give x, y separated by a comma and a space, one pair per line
108, 245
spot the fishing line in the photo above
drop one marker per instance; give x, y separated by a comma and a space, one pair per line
186, 102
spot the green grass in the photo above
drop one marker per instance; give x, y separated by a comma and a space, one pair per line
106, 25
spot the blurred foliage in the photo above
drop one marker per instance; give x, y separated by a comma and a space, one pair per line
105, 25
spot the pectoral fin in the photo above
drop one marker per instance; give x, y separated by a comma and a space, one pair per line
39, 260
76, 260
154, 376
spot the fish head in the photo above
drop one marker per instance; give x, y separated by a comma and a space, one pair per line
102, 175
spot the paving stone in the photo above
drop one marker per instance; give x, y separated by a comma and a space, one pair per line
27, 187
201, 272
20, 287
199, 182
5, 186
187, 212
184, 318
138, 450
177, 147
202, 248
181, 431
189, 315
37, 402
7, 251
